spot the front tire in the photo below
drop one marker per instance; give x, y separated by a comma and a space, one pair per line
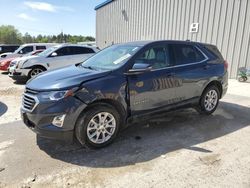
98, 126
209, 100
35, 71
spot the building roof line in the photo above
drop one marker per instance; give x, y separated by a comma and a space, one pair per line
103, 4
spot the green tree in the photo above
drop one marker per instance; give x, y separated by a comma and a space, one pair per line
27, 38
10, 35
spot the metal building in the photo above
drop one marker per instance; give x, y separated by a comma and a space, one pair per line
225, 23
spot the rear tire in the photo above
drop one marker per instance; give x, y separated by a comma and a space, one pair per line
98, 126
209, 100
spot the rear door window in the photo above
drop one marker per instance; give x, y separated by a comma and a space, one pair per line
185, 54
80, 50
40, 47
63, 51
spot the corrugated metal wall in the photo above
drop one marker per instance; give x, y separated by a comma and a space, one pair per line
225, 23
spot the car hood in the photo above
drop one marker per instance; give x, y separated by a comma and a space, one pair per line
64, 78
24, 58
6, 60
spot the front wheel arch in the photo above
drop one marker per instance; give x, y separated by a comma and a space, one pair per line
34, 67
83, 120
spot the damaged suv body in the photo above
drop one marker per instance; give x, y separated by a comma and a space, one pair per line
95, 99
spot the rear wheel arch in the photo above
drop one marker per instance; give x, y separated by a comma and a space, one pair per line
214, 83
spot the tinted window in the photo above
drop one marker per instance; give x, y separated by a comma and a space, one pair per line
157, 57
185, 54
63, 51
26, 50
40, 47
214, 50
80, 50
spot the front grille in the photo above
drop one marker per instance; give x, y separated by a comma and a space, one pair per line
30, 91
29, 101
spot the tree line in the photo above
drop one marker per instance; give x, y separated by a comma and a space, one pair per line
10, 35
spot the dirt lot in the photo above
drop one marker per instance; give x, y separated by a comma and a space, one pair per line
178, 149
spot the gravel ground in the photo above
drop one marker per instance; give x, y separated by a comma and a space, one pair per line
177, 149
10, 99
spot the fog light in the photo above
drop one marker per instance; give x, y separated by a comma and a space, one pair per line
58, 120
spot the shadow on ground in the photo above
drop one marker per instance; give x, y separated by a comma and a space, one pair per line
4, 73
3, 109
161, 135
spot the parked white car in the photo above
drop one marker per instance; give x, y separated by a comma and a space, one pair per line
55, 57
26, 48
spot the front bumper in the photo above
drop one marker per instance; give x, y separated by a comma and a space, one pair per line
4, 67
18, 74
41, 118
50, 131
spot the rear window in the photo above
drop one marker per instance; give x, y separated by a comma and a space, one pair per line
214, 50
185, 54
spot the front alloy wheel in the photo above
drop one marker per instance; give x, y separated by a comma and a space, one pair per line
35, 71
98, 126
101, 127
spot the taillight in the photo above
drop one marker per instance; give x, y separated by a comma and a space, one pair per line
225, 65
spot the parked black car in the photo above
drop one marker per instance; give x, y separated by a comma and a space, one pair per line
8, 48
95, 99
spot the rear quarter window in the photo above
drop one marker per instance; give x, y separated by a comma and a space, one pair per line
185, 54
214, 50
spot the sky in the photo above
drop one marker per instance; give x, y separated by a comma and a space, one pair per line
50, 17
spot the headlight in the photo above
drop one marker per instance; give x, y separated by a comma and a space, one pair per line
56, 95
20, 63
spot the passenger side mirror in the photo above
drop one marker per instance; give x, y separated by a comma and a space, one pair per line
54, 54
139, 68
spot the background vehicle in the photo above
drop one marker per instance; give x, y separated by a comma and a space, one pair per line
8, 48
55, 57
244, 74
5, 63
26, 48
121, 84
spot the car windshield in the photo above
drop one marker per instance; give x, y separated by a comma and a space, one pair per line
110, 58
47, 52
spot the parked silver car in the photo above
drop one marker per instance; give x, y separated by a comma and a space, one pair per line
55, 57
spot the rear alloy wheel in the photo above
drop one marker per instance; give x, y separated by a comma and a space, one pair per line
209, 100
35, 71
98, 126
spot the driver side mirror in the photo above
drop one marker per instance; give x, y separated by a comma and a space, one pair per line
54, 54
139, 68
